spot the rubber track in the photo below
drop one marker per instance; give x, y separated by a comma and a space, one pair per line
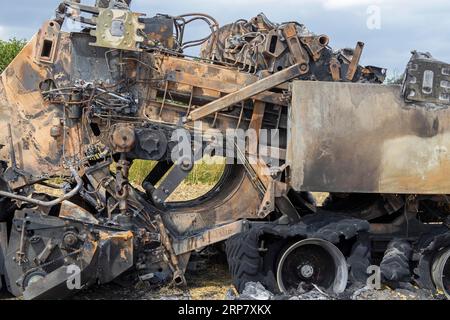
247, 265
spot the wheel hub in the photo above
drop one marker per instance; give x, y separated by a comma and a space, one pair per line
312, 262
306, 270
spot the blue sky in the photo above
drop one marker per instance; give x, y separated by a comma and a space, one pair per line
404, 25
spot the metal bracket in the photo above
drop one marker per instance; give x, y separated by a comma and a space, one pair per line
173, 179
47, 42
172, 260
118, 29
300, 54
171, 182
427, 80
315, 45
276, 189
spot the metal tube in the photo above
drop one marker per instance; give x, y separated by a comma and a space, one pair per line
52, 203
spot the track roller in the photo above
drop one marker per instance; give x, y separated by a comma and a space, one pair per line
441, 272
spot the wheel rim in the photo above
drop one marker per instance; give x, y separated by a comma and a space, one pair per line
441, 272
312, 262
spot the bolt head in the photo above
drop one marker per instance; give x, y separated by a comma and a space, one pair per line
307, 271
70, 239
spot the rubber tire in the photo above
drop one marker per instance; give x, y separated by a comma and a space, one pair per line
247, 264
243, 258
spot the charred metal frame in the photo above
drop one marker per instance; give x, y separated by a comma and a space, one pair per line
114, 92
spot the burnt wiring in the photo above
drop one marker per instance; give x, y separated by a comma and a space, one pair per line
182, 21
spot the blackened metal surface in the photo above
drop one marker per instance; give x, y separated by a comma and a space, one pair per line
427, 80
160, 29
330, 227
364, 138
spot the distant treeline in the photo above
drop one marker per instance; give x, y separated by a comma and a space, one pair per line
9, 50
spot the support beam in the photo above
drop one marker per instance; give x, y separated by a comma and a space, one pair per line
256, 162
208, 237
259, 108
245, 93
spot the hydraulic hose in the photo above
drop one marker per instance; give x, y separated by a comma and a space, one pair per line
52, 203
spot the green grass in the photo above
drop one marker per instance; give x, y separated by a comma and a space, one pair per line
202, 173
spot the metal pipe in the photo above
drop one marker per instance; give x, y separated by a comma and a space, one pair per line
12, 153
52, 203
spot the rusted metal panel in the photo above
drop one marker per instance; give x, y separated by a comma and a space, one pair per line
246, 92
160, 29
210, 80
365, 138
227, 206
47, 44
31, 118
427, 80
70, 210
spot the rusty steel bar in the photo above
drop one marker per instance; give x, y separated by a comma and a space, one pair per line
353, 67
245, 93
208, 237
222, 86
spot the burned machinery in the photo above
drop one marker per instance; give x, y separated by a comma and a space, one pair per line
79, 107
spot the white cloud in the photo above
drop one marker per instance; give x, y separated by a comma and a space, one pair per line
2, 33
345, 4
405, 24
8, 32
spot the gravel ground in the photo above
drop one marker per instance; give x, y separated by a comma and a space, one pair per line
255, 291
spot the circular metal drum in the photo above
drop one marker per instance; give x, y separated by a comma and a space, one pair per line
312, 262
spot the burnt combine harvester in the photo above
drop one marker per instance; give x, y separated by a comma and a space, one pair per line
121, 88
